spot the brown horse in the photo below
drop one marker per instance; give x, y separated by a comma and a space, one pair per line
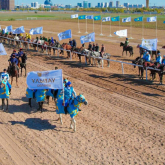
66, 46
25, 43
13, 72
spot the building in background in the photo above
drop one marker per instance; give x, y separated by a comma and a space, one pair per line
48, 4
106, 4
89, 5
68, 6
111, 4
126, 5
85, 4
102, 4
7, 4
99, 5
130, 6
32, 4
117, 3
79, 4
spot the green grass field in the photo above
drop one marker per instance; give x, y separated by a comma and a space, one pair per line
64, 16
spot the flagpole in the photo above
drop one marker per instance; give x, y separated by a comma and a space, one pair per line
142, 28
101, 29
131, 29
156, 26
78, 27
86, 26
110, 28
93, 25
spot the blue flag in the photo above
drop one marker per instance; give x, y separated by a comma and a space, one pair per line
164, 22
88, 38
114, 19
8, 29
139, 19
152, 19
128, 19
97, 18
19, 30
82, 17
64, 35
38, 30
89, 17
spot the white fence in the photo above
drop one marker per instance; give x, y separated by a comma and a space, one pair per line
122, 63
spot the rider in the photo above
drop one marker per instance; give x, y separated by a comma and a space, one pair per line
97, 48
5, 74
69, 94
8, 84
144, 54
163, 61
159, 59
102, 50
28, 37
74, 44
93, 47
147, 59
90, 46
70, 42
14, 52
20, 53
126, 43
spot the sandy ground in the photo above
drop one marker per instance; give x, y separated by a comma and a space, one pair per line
124, 122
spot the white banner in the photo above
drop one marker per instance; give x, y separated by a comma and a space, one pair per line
51, 79
74, 16
121, 33
150, 44
2, 50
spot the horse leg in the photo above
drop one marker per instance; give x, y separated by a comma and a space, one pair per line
71, 126
47, 98
25, 70
74, 121
30, 104
142, 71
7, 100
161, 77
139, 71
39, 106
21, 71
61, 118
17, 80
11, 80
108, 63
2, 104
42, 106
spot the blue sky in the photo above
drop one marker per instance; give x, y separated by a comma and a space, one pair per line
94, 2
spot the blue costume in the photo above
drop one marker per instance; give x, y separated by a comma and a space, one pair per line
159, 59
13, 60
147, 58
20, 53
71, 43
74, 43
29, 93
52, 41
40, 95
144, 55
5, 75
4, 92
163, 61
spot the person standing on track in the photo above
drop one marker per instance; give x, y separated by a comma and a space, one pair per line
90, 46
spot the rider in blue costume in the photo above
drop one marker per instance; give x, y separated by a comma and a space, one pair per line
20, 53
159, 59
163, 61
13, 59
147, 57
69, 94
5, 74
14, 52
144, 54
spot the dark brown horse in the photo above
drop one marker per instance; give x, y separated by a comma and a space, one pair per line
23, 63
13, 72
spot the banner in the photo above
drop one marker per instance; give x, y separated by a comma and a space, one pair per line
38, 30
97, 18
105, 19
51, 79
152, 19
64, 35
74, 16
89, 17
128, 19
139, 19
19, 30
8, 29
121, 33
150, 44
114, 19
88, 38
2, 50
82, 17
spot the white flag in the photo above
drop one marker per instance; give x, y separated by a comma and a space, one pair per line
152, 19
121, 33
150, 44
2, 50
105, 19
128, 19
74, 16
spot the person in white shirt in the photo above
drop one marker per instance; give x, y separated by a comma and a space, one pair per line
5, 74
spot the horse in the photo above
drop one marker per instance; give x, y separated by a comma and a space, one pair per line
39, 95
13, 72
67, 47
23, 63
72, 108
141, 51
139, 61
25, 43
128, 48
4, 93
51, 93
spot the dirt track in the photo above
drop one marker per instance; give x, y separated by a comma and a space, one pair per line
124, 122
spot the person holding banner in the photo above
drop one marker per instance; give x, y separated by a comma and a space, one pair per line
90, 46
69, 94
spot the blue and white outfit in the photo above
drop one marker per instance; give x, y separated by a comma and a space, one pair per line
6, 75
69, 94
147, 58
159, 59
163, 61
